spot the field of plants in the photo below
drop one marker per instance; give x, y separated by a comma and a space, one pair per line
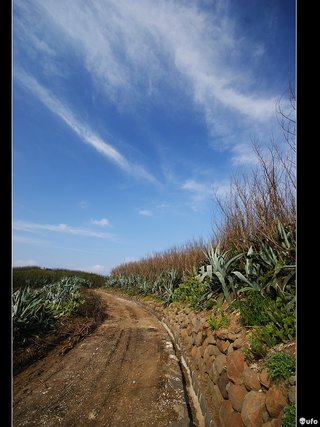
36, 277
250, 262
47, 311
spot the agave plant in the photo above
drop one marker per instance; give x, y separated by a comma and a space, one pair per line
30, 311
218, 271
266, 268
169, 282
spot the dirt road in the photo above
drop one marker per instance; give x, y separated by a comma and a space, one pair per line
124, 374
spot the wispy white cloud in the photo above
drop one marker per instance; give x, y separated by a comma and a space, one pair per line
97, 268
59, 228
243, 154
25, 263
145, 212
199, 190
83, 204
80, 128
29, 240
103, 222
129, 47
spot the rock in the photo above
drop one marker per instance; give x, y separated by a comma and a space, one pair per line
202, 349
234, 420
218, 366
189, 342
228, 417
225, 334
252, 409
236, 394
292, 394
209, 351
225, 411
211, 340
251, 380
197, 325
292, 380
222, 333
208, 363
216, 351
277, 422
189, 329
276, 400
264, 378
230, 348
223, 345
215, 394
235, 366
194, 352
222, 382
198, 339
267, 424
238, 343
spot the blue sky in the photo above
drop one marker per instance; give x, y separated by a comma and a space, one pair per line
129, 115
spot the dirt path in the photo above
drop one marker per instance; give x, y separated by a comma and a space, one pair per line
124, 374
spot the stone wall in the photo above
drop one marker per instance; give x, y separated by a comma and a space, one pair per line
231, 393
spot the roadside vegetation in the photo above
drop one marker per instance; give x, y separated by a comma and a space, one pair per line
36, 277
250, 263
47, 312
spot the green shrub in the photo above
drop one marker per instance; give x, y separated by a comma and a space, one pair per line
258, 348
280, 366
275, 321
218, 319
254, 309
190, 291
289, 415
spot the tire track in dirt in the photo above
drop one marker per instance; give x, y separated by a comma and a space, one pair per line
120, 375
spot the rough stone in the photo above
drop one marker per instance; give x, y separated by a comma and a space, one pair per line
264, 378
292, 394
197, 339
194, 352
236, 394
230, 348
238, 343
208, 363
197, 325
252, 409
217, 367
203, 348
292, 380
225, 411
234, 420
216, 351
209, 351
222, 382
225, 334
235, 366
211, 340
251, 380
189, 342
189, 329
216, 396
276, 400
278, 421
223, 345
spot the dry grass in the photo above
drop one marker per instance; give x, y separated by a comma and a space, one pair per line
250, 212
256, 202
183, 259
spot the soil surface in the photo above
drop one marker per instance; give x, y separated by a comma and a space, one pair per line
123, 374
